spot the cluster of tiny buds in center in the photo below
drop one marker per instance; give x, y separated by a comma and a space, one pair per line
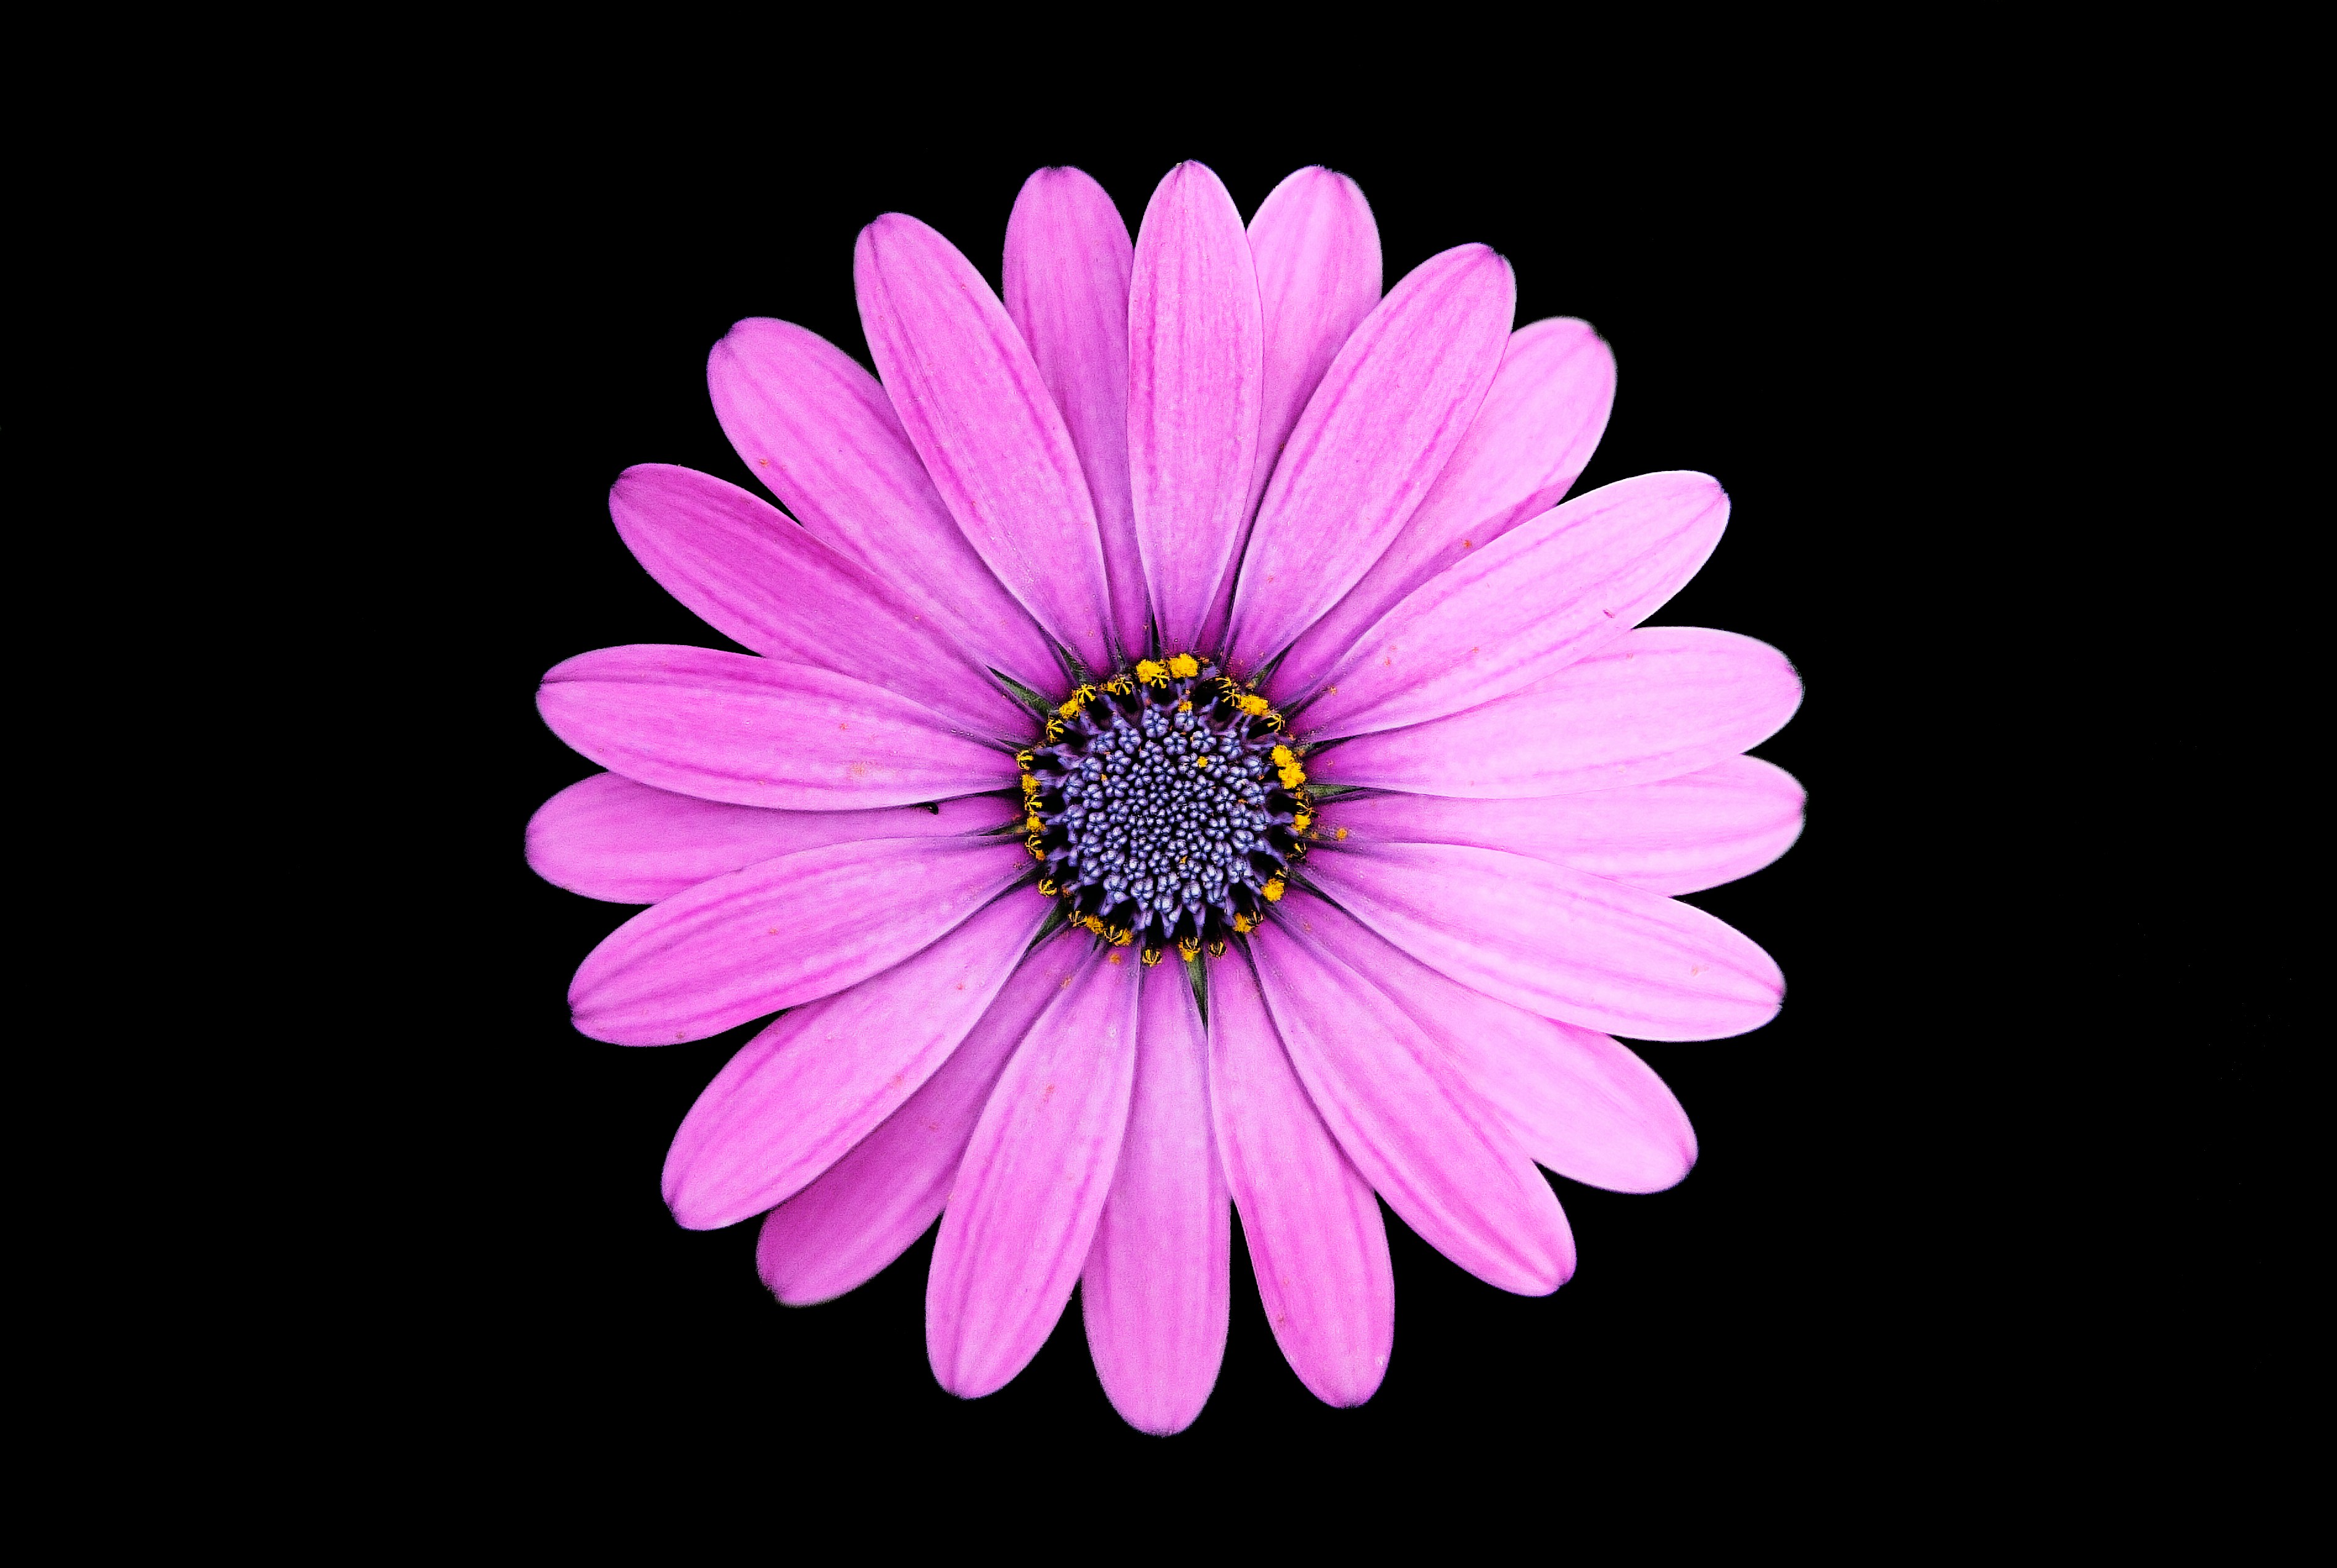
1163, 804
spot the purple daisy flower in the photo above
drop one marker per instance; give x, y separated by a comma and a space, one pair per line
1193, 759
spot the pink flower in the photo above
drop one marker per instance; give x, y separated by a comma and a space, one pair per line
1231, 608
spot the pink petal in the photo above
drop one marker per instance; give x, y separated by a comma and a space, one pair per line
1154, 1291
1034, 1183
610, 837
757, 732
1389, 1094
1193, 390
1676, 835
1574, 1101
1546, 594
1316, 1241
1540, 420
1560, 942
780, 934
746, 570
823, 1076
1317, 254
1653, 704
1066, 290
979, 414
1390, 409
819, 431
865, 1208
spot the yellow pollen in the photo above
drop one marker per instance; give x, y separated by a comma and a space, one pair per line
1273, 889
1122, 938
1301, 822
1092, 924
1033, 825
1112, 959
1244, 925
1184, 707
1252, 705
1151, 672
1030, 785
1071, 705
1031, 844
1283, 757
1190, 948
1292, 777
1151, 957
1201, 762
1184, 665
1343, 833
1118, 686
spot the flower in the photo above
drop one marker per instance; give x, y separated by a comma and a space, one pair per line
1191, 756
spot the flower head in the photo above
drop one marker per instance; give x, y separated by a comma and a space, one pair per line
1192, 756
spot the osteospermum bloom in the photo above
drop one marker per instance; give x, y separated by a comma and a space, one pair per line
1189, 756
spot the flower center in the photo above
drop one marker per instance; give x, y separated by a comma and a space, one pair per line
1165, 805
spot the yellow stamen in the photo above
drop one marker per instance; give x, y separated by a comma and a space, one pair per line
1122, 938
1184, 707
1151, 957
1217, 949
1092, 924
1033, 825
1252, 705
1190, 948
1201, 762
1118, 686
1284, 757
1244, 925
1298, 823
1152, 673
1273, 889
1047, 887
1031, 844
1292, 777
1054, 728
1183, 666
1030, 785
1023, 757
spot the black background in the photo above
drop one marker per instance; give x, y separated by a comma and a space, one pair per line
1775, 306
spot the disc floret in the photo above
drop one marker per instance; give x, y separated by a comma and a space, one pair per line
1165, 806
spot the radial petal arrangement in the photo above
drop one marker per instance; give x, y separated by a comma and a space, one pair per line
1193, 760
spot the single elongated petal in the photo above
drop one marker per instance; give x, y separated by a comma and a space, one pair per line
1560, 942
752, 574
781, 933
1388, 413
607, 836
865, 1210
1547, 593
1572, 1099
1065, 287
1316, 1241
1194, 341
1388, 1093
820, 433
1318, 255
824, 1075
1653, 704
1676, 835
1034, 1183
757, 732
1540, 420
980, 415
1154, 1291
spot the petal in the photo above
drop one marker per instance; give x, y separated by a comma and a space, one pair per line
1316, 1241
1193, 390
818, 430
1317, 256
1540, 420
610, 837
978, 413
780, 934
1572, 1100
1546, 594
1154, 1291
1653, 704
757, 732
865, 1210
824, 1076
1388, 1093
1033, 1184
747, 571
1065, 286
1677, 836
1390, 409
1560, 942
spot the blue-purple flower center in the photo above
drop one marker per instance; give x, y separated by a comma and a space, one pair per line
1165, 806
